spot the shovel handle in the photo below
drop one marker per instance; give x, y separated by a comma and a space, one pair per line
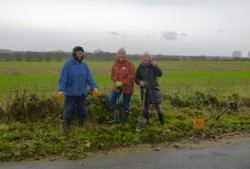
217, 118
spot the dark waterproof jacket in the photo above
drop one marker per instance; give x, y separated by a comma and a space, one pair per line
149, 73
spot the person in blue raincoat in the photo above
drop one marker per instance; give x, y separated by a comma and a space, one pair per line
72, 85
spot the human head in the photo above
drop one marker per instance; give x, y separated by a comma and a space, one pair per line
121, 54
146, 58
78, 53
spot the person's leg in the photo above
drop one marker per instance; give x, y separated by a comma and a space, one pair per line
81, 109
113, 103
160, 113
113, 97
125, 105
69, 110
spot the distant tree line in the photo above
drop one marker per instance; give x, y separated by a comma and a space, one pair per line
56, 56
33, 56
98, 55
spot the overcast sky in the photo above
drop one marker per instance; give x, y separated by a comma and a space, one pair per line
172, 27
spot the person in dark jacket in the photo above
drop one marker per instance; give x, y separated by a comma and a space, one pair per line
146, 77
73, 81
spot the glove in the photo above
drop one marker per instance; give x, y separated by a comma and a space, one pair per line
60, 96
95, 92
118, 84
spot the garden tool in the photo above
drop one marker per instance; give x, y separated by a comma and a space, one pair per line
143, 123
144, 88
116, 116
230, 104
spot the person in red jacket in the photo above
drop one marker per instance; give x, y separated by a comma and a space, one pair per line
123, 77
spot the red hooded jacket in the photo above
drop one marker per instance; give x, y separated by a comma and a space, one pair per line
125, 73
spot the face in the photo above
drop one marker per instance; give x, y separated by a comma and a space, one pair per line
121, 56
79, 55
145, 59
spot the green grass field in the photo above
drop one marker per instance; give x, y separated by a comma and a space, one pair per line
179, 77
25, 120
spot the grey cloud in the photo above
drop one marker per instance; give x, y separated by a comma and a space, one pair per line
183, 34
220, 30
116, 34
189, 3
170, 35
167, 2
152, 34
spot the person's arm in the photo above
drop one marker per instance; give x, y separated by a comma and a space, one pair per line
137, 77
63, 79
90, 80
157, 70
113, 75
62, 83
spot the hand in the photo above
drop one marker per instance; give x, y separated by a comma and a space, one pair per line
118, 84
153, 62
60, 95
142, 83
95, 92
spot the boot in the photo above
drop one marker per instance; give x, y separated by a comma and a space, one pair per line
81, 122
146, 116
161, 118
116, 116
125, 117
160, 113
66, 127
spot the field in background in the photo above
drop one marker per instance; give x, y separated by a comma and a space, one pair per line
25, 119
179, 77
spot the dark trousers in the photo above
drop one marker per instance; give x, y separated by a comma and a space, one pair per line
158, 109
125, 99
113, 98
74, 104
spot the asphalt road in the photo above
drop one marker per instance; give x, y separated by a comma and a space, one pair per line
230, 153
